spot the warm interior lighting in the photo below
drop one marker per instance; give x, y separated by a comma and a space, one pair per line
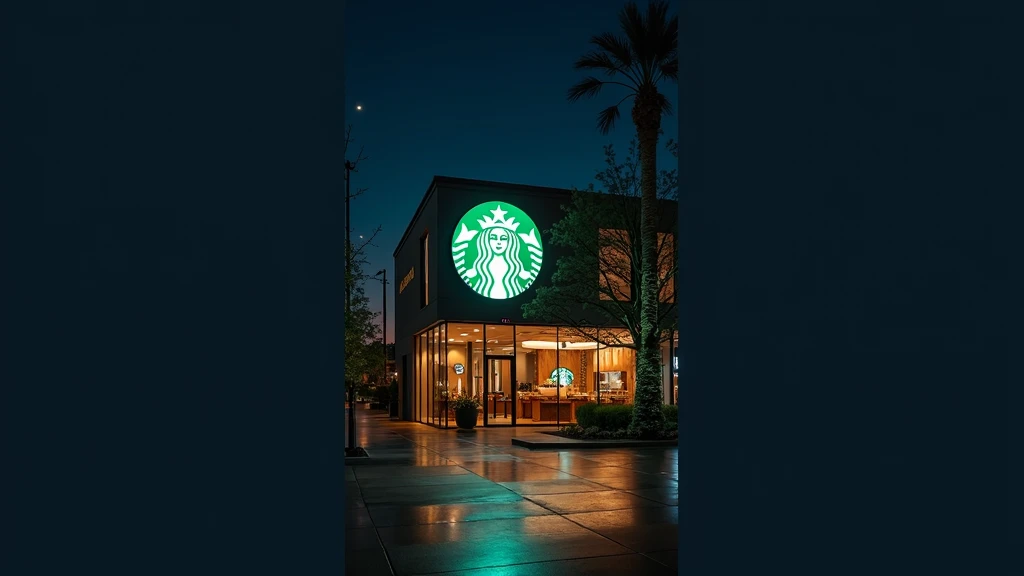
542, 345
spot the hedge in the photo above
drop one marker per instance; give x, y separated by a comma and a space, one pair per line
586, 414
604, 416
618, 416
671, 412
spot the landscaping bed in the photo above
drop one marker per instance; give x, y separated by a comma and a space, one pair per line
611, 422
576, 432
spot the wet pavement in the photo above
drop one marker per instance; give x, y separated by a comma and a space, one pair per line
444, 502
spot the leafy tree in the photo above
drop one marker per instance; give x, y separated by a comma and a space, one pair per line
639, 61
602, 271
362, 352
361, 330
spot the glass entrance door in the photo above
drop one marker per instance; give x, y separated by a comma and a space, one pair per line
500, 399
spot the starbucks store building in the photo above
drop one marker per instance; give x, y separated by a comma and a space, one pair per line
472, 255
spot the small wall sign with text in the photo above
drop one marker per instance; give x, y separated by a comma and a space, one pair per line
459, 368
405, 281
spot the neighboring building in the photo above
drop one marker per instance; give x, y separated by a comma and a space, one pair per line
470, 258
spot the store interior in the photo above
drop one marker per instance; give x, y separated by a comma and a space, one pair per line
524, 375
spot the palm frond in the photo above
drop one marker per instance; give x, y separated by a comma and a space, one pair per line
665, 104
607, 117
586, 88
616, 47
670, 68
631, 20
668, 40
653, 37
657, 26
597, 61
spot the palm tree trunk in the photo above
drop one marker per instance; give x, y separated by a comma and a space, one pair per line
648, 418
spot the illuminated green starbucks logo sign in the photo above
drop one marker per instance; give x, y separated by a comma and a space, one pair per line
562, 376
497, 250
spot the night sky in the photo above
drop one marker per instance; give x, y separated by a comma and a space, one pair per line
471, 90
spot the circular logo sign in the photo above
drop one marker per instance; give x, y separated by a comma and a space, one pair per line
459, 368
497, 250
562, 376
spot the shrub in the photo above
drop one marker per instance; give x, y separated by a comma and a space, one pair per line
458, 402
613, 416
572, 430
586, 414
671, 416
604, 416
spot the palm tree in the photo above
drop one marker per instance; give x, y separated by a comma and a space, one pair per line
638, 61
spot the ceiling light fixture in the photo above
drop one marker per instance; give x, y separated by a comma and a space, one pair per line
543, 345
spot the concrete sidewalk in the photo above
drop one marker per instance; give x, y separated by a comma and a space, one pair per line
443, 502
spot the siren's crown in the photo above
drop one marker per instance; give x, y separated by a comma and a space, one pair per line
497, 220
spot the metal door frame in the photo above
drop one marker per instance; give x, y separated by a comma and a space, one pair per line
488, 383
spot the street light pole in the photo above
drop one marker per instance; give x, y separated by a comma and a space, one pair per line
384, 321
349, 167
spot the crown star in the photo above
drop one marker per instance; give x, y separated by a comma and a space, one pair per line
498, 220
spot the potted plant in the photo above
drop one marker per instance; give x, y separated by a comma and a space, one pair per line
465, 408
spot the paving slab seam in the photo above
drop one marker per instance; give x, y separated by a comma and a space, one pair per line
648, 499
634, 551
376, 532
598, 534
387, 555
647, 555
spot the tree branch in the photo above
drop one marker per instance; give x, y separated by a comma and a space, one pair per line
360, 157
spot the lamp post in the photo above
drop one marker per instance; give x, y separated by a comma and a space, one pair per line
349, 168
383, 273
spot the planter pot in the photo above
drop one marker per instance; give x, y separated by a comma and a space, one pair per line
465, 418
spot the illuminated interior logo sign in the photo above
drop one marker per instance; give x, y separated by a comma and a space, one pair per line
562, 376
497, 250
459, 368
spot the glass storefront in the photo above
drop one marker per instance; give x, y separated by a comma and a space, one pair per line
525, 375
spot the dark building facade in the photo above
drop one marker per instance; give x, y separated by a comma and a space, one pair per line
473, 254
